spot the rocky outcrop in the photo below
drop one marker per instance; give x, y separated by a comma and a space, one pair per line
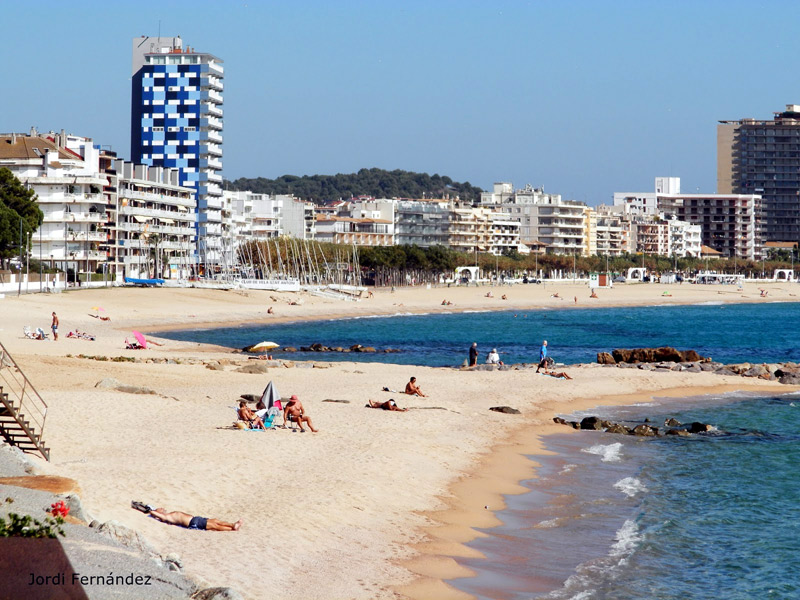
605, 358
645, 429
651, 355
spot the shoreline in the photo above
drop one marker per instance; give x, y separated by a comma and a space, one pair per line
477, 305
175, 445
475, 499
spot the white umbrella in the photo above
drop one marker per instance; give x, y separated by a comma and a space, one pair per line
270, 395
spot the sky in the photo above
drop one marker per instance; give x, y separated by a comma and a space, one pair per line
583, 98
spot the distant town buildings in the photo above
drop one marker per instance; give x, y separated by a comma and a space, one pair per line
164, 214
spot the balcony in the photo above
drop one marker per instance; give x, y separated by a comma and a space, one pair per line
161, 198
154, 212
211, 122
211, 96
211, 109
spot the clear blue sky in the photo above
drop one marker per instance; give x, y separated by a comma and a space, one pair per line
584, 98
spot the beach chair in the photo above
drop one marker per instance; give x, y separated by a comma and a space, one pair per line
268, 420
26, 329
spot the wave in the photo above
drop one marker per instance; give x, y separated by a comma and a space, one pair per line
627, 539
630, 486
607, 453
709, 303
548, 524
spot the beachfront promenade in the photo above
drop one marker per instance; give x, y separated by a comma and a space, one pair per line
354, 511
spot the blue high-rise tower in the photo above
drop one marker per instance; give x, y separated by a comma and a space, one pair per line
176, 121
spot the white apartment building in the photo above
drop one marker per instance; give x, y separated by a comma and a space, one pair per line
613, 231
298, 217
348, 230
729, 222
153, 227
519, 204
63, 170
561, 225
684, 238
642, 204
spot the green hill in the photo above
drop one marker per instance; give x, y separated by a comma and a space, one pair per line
367, 182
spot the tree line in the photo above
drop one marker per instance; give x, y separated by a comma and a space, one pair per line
377, 183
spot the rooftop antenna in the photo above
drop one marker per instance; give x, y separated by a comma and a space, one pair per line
159, 29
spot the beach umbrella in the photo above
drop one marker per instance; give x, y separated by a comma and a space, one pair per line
270, 395
140, 338
263, 347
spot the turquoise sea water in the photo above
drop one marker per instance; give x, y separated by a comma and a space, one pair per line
617, 517
726, 332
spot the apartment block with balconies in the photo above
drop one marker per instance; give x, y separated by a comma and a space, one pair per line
176, 122
64, 172
153, 233
761, 158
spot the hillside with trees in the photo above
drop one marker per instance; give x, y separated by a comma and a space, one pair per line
367, 182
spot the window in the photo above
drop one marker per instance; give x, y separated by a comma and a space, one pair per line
158, 129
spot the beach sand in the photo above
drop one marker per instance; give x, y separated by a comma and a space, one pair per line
377, 503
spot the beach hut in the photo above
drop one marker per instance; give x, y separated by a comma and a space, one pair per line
600, 280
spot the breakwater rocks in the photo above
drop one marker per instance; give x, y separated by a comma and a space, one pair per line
649, 355
645, 429
354, 348
786, 373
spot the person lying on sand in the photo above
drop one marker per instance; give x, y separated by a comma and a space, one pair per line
246, 414
412, 389
294, 412
559, 375
183, 519
388, 405
133, 345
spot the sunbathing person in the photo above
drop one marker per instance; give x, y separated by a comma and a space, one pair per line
412, 389
183, 519
294, 412
559, 375
593, 294
245, 414
388, 405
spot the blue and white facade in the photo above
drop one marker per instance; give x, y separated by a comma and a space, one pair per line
176, 122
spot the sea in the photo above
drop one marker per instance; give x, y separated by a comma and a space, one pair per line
725, 332
611, 517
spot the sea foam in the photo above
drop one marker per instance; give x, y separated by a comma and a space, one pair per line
630, 486
607, 453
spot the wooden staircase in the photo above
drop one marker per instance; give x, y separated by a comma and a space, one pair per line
22, 410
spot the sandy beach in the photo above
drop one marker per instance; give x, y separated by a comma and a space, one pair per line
377, 503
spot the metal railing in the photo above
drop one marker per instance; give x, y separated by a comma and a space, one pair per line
23, 398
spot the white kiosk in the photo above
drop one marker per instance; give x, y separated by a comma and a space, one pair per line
636, 274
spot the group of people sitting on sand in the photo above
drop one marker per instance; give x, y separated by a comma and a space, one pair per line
293, 412
80, 335
446, 302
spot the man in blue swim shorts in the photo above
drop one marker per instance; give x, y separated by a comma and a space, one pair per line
183, 519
